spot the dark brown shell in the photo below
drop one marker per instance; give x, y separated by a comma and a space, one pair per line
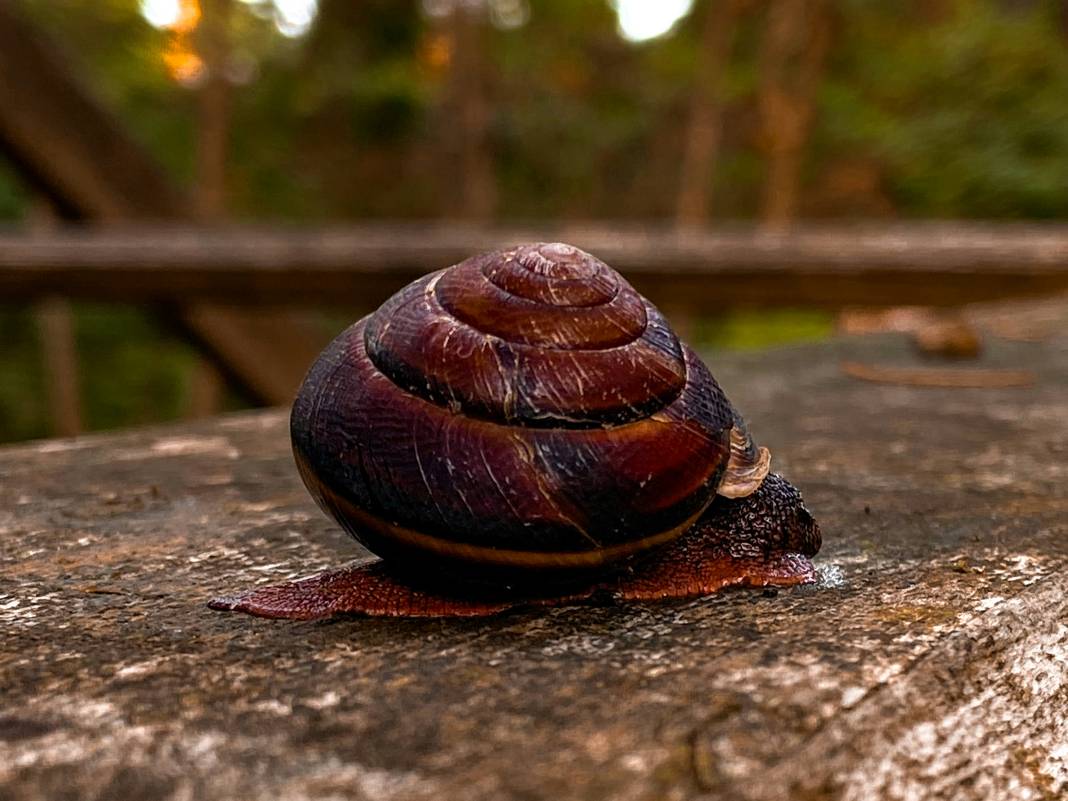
524, 408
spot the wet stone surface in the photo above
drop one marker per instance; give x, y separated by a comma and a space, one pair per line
932, 659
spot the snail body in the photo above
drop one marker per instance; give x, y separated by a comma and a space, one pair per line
526, 419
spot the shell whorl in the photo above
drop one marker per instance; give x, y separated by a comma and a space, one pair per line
539, 335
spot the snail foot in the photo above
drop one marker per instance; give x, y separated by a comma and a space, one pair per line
366, 588
685, 570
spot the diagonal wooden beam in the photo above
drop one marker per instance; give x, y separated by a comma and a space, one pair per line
64, 142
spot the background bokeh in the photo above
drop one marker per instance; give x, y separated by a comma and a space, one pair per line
695, 112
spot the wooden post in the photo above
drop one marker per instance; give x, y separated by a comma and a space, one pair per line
55, 326
59, 350
204, 391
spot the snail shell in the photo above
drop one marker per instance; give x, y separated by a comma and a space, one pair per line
524, 409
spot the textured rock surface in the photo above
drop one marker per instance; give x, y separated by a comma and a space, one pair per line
931, 661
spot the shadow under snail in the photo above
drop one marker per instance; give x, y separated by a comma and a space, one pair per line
524, 428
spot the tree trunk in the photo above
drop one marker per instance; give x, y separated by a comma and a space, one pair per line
206, 382
472, 110
55, 325
59, 346
792, 63
701, 148
213, 110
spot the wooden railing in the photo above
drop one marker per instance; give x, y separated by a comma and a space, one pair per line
224, 286
707, 271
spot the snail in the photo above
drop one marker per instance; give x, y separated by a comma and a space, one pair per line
524, 428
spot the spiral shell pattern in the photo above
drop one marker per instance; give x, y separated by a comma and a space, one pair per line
523, 409
545, 336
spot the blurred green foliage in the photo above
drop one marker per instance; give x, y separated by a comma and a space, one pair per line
950, 108
147, 370
13, 196
966, 114
752, 330
21, 381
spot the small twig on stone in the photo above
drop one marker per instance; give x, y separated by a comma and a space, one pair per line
975, 378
